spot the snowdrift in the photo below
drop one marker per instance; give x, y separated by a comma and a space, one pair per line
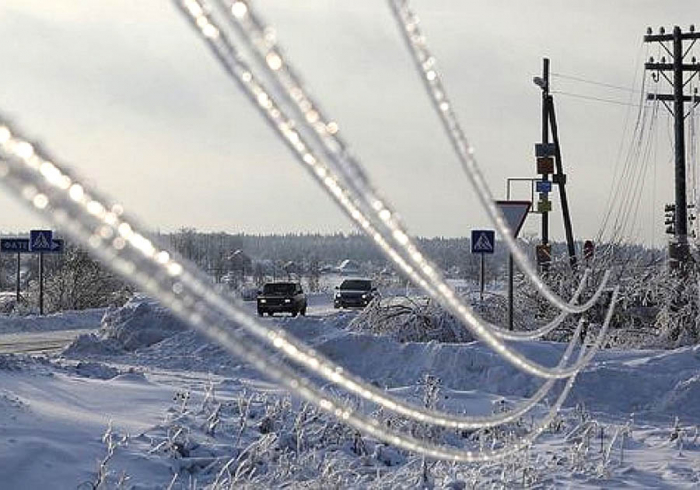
141, 322
651, 383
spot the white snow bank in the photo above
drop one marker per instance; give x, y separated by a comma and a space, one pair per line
654, 383
621, 382
51, 426
141, 322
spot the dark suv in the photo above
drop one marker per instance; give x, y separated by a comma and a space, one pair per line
281, 296
354, 292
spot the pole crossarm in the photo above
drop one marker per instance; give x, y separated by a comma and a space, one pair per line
671, 66
650, 38
670, 97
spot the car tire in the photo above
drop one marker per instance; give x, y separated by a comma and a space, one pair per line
260, 313
303, 311
294, 312
269, 313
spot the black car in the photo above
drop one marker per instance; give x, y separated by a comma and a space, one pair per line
281, 296
354, 292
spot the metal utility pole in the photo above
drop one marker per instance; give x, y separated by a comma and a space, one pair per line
678, 248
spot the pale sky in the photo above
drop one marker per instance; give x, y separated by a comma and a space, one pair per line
126, 93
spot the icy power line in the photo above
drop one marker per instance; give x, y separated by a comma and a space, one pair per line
121, 244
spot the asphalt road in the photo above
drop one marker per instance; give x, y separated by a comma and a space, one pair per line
50, 342
38, 342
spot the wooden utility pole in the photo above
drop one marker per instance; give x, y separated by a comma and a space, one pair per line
545, 141
560, 179
547, 156
678, 248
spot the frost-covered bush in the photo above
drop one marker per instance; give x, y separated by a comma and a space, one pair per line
657, 306
75, 281
410, 320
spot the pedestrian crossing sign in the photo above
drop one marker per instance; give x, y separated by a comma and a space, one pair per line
40, 241
483, 241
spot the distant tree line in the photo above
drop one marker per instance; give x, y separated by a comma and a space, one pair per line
74, 280
212, 251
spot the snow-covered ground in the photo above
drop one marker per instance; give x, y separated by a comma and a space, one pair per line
145, 403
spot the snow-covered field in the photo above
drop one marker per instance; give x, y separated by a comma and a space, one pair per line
144, 403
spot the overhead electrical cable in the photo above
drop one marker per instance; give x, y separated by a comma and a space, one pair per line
414, 265
121, 244
619, 170
268, 57
594, 82
591, 97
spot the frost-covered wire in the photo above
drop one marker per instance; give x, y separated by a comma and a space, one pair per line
422, 272
281, 80
544, 329
119, 242
426, 65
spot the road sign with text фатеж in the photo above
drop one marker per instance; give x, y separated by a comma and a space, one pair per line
14, 245
21, 246
514, 213
483, 241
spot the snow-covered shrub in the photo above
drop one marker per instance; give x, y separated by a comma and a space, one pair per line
408, 319
76, 281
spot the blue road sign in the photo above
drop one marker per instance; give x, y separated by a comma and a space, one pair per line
483, 241
21, 245
56, 246
543, 186
14, 245
40, 240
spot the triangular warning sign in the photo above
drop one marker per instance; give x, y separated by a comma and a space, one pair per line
483, 244
514, 213
41, 242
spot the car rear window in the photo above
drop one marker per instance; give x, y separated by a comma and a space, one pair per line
279, 288
356, 285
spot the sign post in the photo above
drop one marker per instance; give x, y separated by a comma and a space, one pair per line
514, 213
19, 271
41, 242
483, 242
18, 245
